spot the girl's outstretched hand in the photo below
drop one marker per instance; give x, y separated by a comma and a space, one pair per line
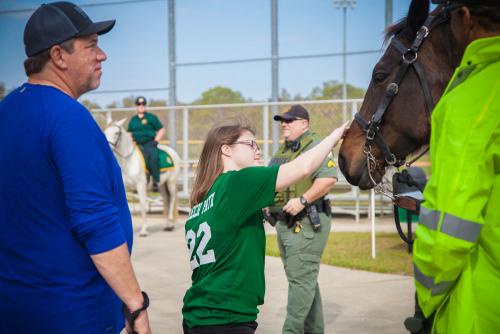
339, 132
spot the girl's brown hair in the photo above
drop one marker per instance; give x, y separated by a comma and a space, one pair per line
210, 165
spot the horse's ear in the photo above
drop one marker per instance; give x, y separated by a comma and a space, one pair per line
121, 122
418, 12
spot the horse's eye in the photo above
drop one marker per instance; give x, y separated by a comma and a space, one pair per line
380, 77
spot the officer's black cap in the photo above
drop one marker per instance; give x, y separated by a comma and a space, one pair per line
493, 3
57, 22
140, 100
296, 112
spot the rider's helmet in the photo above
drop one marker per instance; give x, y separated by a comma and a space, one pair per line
140, 100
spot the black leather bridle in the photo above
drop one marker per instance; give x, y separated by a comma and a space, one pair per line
372, 128
115, 144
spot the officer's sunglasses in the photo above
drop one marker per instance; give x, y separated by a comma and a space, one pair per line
288, 121
252, 143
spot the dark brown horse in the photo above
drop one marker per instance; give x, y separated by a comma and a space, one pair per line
394, 120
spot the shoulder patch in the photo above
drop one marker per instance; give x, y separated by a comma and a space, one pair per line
330, 164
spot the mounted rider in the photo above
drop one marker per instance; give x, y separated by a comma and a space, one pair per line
147, 131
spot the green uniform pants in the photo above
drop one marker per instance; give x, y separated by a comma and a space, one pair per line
301, 253
152, 158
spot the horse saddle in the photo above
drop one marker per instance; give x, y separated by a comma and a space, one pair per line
166, 161
408, 187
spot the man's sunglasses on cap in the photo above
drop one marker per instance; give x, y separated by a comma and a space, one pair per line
290, 120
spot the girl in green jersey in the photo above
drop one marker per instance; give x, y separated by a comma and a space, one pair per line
224, 231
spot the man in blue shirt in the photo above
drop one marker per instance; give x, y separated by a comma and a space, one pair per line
66, 231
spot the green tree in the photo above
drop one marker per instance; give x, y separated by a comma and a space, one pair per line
128, 101
157, 103
2, 90
90, 104
284, 95
111, 105
220, 95
333, 90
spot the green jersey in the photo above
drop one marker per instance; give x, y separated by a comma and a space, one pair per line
226, 242
144, 129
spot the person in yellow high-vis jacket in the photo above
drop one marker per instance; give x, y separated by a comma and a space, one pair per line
457, 250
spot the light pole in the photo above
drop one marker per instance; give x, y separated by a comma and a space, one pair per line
344, 4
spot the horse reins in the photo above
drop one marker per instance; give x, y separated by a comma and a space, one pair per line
115, 144
372, 129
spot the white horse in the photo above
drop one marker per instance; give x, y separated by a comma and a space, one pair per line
133, 168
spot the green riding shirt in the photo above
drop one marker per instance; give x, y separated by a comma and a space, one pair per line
226, 242
144, 129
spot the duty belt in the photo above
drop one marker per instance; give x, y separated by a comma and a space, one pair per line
322, 205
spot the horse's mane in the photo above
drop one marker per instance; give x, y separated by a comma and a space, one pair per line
402, 25
395, 29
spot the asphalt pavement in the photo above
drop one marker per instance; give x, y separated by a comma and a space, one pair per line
353, 301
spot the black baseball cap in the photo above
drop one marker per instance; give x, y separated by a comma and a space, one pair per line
57, 22
296, 112
140, 100
493, 3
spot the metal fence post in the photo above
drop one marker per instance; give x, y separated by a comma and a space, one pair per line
265, 129
185, 150
354, 109
109, 117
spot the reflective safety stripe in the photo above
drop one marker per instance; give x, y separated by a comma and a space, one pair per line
453, 226
428, 282
461, 228
429, 218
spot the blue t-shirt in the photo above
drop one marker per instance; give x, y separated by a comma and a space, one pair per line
62, 199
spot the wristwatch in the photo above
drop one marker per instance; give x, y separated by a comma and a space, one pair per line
303, 201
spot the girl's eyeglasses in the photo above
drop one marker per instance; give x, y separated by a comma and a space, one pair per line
252, 143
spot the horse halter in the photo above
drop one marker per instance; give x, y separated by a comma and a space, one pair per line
372, 129
115, 144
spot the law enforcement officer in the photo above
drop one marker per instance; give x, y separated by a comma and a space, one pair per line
147, 132
302, 216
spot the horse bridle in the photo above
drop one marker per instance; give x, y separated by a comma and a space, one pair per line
372, 129
115, 144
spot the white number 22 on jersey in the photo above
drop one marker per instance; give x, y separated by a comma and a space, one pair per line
203, 257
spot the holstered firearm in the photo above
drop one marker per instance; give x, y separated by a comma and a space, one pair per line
312, 211
269, 218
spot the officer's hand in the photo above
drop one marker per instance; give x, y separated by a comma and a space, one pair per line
293, 206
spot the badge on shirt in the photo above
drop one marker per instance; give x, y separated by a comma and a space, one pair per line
330, 164
144, 121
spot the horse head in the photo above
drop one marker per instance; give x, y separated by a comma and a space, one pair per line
394, 119
114, 132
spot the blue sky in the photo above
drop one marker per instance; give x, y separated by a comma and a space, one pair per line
209, 30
